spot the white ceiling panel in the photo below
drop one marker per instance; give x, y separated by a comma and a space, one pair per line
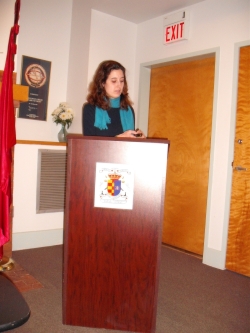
138, 11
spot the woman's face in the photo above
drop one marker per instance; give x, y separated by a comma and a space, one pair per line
114, 83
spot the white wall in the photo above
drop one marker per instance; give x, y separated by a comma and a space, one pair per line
30, 229
112, 38
95, 38
217, 25
102, 37
45, 34
78, 60
6, 22
45, 30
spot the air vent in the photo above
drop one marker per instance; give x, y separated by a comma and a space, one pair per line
51, 180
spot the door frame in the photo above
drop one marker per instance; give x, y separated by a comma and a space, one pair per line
211, 256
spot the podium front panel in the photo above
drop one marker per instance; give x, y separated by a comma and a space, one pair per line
112, 256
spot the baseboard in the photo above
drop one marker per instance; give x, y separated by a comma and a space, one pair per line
34, 239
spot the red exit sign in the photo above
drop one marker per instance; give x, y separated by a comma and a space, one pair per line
174, 32
176, 27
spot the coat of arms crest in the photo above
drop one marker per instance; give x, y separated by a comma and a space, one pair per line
114, 186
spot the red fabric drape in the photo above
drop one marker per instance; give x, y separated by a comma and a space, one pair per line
7, 133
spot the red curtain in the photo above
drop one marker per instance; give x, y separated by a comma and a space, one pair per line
7, 133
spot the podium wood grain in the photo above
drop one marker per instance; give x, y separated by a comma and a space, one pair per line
111, 256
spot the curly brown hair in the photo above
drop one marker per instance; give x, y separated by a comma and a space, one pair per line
97, 94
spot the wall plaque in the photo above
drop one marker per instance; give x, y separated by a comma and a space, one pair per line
35, 74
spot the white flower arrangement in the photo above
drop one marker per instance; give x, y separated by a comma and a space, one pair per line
63, 114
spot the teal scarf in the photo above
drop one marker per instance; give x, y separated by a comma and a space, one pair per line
102, 118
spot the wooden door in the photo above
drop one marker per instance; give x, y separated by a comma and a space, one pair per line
181, 104
238, 246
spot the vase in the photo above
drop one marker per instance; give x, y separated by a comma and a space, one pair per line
62, 135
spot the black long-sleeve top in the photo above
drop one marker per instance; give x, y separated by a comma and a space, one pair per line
88, 120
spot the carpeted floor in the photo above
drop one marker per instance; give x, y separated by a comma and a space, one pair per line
193, 298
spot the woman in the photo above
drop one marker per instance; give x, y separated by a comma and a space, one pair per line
108, 111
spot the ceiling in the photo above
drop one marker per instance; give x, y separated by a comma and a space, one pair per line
138, 11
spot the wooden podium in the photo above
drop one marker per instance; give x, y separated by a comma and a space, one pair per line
112, 255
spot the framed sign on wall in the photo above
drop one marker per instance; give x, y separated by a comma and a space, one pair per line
36, 74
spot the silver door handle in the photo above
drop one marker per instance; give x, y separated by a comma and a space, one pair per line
240, 168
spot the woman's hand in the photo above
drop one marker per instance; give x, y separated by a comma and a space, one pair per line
132, 134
